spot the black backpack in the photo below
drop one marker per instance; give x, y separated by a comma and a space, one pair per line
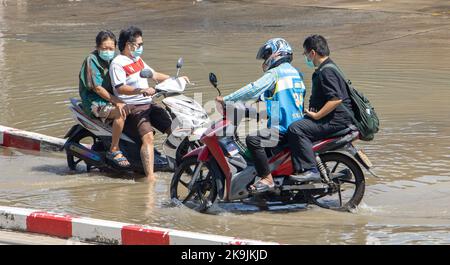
365, 118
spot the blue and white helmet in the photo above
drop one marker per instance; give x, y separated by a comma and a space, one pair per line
272, 46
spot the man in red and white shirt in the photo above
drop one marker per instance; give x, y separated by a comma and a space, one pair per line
134, 90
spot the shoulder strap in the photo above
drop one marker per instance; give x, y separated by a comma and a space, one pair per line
339, 71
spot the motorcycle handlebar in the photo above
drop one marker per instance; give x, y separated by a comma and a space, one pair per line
160, 93
157, 95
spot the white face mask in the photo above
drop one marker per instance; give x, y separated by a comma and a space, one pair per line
308, 62
138, 52
106, 55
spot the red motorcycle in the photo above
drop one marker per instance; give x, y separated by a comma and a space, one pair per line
223, 168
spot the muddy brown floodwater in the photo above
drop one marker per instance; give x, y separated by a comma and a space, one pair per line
396, 53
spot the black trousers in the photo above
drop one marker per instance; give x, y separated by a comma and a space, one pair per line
257, 145
301, 134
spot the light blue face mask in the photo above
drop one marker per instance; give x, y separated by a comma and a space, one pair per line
138, 52
107, 55
309, 63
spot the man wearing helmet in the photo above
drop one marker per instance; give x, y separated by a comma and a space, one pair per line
283, 90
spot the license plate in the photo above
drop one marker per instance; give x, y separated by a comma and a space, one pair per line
364, 158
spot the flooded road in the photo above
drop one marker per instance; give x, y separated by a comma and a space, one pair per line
397, 54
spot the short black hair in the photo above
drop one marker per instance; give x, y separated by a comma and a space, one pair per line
317, 43
128, 35
104, 35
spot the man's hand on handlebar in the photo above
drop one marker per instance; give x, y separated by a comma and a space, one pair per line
219, 99
148, 91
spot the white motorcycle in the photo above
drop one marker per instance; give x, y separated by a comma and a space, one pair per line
90, 139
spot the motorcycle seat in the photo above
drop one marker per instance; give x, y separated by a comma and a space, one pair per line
77, 104
343, 132
282, 146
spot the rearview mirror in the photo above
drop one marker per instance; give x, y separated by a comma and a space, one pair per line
180, 63
213, 79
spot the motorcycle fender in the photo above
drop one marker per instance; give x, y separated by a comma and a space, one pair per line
196, 152
202, 154
360, 156
357, 160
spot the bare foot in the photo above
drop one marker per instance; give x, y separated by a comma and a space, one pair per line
152, 178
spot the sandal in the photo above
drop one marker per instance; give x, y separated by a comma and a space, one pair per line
260, 187
112, 156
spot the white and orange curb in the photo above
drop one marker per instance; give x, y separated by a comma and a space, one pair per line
10, 137
107, 232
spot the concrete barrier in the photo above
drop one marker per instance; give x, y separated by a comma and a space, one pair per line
107, 232
10, 137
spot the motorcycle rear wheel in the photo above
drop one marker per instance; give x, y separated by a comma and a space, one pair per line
203, 193
350, 186
82, 138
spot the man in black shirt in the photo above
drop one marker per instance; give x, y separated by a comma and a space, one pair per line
325, 116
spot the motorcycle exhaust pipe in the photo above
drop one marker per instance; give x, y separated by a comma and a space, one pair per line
91, 157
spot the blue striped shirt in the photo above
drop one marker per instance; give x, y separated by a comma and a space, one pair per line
254, 89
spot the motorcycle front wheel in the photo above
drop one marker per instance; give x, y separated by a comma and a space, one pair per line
348, 181
199, 195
